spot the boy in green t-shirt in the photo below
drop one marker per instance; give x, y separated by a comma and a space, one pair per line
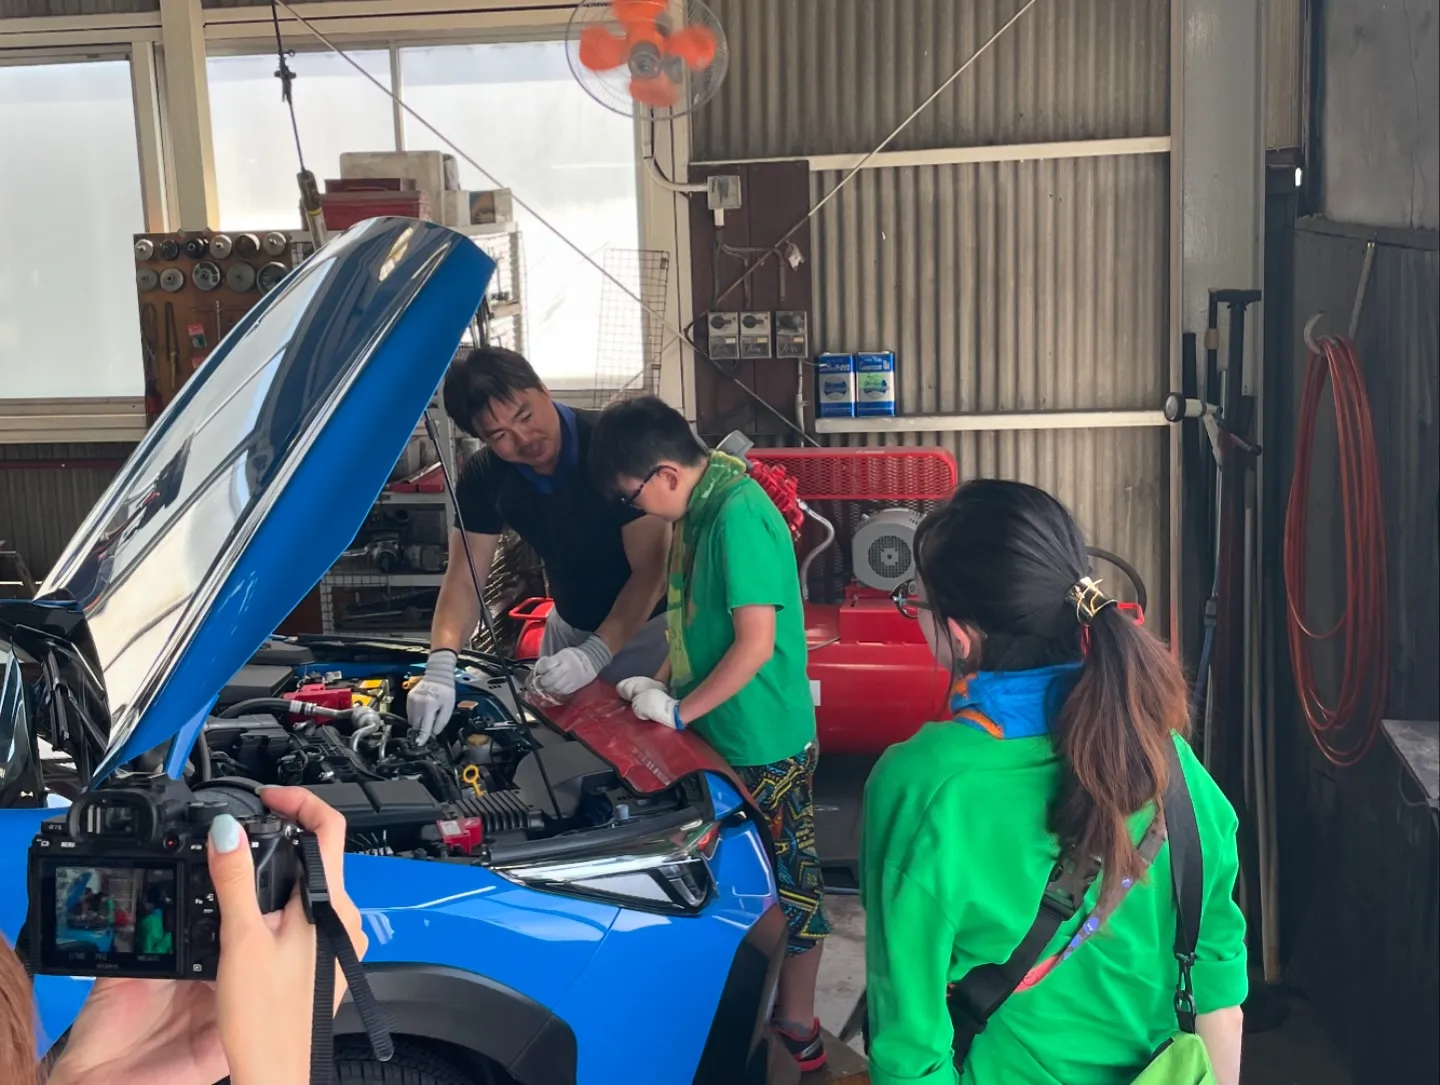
736, 668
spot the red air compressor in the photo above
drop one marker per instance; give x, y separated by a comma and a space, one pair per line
872, 675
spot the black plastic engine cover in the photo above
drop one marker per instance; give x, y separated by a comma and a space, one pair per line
572, 770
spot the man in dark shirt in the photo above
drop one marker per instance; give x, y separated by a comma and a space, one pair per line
604, 560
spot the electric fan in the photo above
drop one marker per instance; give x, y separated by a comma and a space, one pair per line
663, 58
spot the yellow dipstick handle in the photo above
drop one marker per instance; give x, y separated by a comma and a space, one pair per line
471, 775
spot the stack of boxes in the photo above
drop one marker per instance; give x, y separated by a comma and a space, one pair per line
415, 184
856, 385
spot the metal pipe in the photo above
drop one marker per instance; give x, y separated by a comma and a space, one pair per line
817, 551
994, 422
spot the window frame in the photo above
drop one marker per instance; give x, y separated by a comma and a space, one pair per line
391, 24
80, 419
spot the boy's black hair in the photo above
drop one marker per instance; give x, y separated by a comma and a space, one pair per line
483, 376
634, 436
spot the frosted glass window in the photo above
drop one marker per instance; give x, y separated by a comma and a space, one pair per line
517, 110
69, 208
338, 110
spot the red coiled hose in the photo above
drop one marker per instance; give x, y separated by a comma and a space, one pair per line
1346, 729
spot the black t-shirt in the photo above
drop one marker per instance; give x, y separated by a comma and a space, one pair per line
572, 526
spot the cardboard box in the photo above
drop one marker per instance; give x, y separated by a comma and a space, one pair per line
433, 172
479, 208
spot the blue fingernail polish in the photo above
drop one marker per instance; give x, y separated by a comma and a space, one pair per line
225, 833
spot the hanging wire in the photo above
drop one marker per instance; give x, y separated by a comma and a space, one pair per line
682, 334
287, 78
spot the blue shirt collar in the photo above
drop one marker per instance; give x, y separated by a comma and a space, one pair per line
1022, 704
569, 455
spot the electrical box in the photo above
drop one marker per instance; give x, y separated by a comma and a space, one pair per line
724, 335
722, 192
755, 335
792, 334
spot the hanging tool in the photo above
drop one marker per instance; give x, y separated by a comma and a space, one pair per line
153, 403
309, 189
172, 349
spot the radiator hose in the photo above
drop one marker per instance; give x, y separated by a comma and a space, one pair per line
1344, 728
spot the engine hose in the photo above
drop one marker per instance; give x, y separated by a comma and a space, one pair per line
279, 704
1346, 728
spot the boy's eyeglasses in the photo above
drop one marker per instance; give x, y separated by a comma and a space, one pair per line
906, 601
628, 500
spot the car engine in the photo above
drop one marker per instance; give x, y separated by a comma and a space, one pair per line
493, 781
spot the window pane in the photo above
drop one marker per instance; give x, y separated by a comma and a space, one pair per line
69, 207
338, 110
517, 110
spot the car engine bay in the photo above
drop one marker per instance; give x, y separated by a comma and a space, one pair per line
496, 784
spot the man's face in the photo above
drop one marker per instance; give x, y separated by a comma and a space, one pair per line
523, 430
659, 493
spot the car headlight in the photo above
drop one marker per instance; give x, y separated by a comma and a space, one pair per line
669, 871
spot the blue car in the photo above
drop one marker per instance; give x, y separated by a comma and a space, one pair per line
554, 896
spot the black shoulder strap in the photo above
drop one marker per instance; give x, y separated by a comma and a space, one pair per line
977, 997
980, 994
1187, 876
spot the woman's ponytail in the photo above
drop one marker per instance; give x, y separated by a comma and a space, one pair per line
1112, 734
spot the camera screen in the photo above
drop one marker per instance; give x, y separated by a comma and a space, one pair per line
114, 918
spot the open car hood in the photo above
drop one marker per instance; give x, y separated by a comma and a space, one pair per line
261, 471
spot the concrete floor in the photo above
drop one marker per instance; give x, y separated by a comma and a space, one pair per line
1296, 1053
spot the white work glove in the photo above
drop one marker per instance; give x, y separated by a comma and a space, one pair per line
571, 668
658, 706
630, 688
431, 701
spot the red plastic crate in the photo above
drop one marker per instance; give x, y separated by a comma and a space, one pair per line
344, 209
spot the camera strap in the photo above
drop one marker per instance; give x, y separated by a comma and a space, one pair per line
332, 946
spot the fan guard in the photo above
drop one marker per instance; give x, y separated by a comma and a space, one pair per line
658, 59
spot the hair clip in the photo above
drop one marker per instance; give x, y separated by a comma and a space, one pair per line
1089, 600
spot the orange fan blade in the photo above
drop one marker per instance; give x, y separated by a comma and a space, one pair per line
628, 13
695, 45
601, 50
658, 93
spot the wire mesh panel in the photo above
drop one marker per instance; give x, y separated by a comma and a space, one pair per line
504, 308
627, 350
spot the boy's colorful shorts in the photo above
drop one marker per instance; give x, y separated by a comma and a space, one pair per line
783, 792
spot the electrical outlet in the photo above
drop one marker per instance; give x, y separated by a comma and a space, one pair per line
722, 192
724, 335
755, 335
792, 333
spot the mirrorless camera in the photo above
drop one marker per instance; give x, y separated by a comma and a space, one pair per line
121, 886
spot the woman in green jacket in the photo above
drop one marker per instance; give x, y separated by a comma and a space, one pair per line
1061, 712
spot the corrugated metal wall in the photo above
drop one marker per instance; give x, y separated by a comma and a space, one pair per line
37, 9
1015, 286
836, 76
47, 490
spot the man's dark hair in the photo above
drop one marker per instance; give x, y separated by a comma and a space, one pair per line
483, 376
634, 436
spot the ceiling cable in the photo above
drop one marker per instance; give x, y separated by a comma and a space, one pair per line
780, 246
676, 332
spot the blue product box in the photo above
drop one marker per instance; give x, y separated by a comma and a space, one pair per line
835, 385
875, 384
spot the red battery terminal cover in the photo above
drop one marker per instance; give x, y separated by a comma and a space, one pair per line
464, 835
317, 693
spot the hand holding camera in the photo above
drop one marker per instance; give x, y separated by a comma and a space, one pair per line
255, 1022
